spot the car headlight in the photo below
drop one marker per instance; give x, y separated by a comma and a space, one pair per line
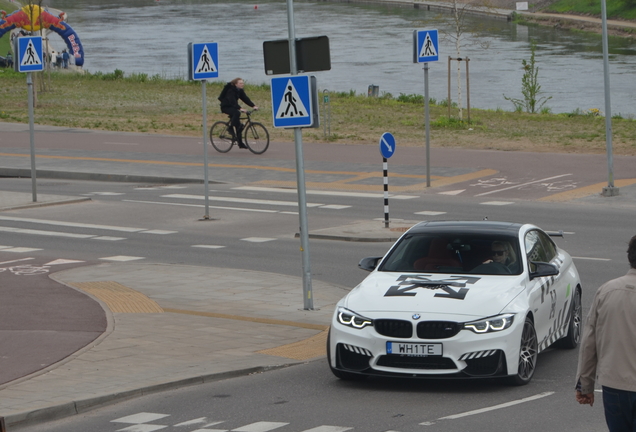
352, 319
489, 325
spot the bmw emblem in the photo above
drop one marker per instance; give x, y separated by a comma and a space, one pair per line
416, 316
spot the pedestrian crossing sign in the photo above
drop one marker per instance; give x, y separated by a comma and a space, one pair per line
30, 54
204, 60
425, 46
293, 101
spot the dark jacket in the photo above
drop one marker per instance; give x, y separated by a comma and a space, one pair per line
231, 95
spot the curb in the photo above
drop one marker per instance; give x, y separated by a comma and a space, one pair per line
26, 173
45, 204
72, 408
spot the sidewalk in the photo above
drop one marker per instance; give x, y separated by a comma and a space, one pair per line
176, 325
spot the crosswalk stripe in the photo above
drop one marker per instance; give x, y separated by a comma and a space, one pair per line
327, 193
241, 200
260, 427
71, 224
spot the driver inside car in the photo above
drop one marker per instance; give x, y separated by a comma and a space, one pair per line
501, 254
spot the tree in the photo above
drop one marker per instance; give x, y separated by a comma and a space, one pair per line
462, 35
530, 88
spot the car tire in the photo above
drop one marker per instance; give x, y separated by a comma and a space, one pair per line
573, 336
527, 355
345, 376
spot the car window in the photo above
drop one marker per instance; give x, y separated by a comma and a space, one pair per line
454, 254
539, 247
548, 244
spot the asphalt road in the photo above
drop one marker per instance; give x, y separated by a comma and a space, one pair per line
248, 205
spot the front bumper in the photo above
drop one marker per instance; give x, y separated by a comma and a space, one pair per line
465, 354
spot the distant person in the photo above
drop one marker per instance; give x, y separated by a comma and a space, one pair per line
58, 60
65, 58
231, 94
9, 59
608, 349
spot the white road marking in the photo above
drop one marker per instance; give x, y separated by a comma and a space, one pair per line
497, 203
201, 420
142, 417
592, 259
492, 408
430, 213
21, 249
329, 429
208, 246
118, 143
334, 206
455, 192
18, 260
522, 184
44, 233
62, 261
105, 193
241, 200
108, 238
142, 428
202, 206
328, 193
257, 239
160, 232
121, 258
260, 427
161, 187
72, 224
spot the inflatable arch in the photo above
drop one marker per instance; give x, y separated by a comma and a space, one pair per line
34, 18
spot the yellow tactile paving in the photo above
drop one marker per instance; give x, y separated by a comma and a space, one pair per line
250, 319
119, 298
346, 184
315, 346
594, 189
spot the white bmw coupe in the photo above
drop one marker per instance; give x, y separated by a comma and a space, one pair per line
474, 299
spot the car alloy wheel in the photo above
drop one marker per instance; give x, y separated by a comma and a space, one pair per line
527, 354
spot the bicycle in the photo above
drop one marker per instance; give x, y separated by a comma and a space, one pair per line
255, 135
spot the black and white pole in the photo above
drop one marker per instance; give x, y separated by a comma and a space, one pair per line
385, 175
387, 148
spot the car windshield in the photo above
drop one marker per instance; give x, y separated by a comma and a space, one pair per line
457, 254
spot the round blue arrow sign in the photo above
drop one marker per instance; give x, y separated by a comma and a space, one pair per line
387, 145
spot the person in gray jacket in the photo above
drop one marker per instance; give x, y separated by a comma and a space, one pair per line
608, 349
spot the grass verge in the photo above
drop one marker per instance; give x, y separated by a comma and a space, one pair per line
151, 104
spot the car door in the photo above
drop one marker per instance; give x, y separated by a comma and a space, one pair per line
544, 291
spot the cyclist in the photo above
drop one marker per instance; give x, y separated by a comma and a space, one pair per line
230, 96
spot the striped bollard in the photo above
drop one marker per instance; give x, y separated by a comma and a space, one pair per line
387, 148
385, 173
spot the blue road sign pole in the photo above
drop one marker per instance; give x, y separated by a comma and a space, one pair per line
32, 136
308, 299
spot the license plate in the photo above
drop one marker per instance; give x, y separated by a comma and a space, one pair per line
414, 349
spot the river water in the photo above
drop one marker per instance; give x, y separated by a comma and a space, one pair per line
370, 44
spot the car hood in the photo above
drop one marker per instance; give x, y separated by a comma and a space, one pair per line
473, 296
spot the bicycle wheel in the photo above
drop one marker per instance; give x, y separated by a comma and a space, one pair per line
256, 138
221, 137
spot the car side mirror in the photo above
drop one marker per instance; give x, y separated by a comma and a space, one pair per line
542, 269
369, 263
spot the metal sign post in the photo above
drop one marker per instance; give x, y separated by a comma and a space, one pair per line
30, 58
426, 49
300, 174
610, 190
203, 62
